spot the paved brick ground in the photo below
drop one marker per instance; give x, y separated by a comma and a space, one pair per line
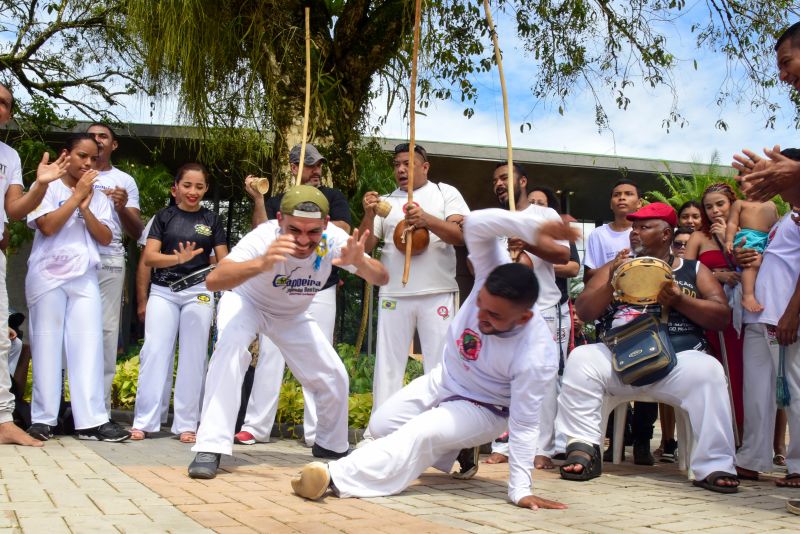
75, 486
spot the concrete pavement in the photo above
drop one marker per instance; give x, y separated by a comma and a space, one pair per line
80, 486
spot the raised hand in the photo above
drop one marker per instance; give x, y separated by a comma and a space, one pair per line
84, 187
352, 252
285, 245
745, 162
719, 227
781, 175
370, 200
187, 251
48, 172
249, 189
621, 257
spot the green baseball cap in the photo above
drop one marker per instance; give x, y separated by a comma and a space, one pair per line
304, 193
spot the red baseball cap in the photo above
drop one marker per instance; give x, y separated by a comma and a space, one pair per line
656, 210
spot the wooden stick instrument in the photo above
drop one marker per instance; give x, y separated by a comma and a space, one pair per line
299, 179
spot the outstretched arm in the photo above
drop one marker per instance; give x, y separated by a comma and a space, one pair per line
367, 268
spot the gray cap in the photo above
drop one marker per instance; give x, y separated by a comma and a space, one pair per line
312, 155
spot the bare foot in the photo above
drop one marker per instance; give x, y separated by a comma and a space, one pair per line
750, 304
543, 462
11, 434
496, 458
792, 480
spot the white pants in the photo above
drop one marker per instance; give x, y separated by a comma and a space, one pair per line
413, 431
697, 385
263, 403
760, 370
547, 418
13, 355
6, 398
111, 277
308, 354
68, 317
188, 315
398, 317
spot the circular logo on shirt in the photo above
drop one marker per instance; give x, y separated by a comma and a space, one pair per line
205, 299
469, 345
443, 312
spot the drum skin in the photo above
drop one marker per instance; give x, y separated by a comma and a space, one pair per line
421, 239
638, 280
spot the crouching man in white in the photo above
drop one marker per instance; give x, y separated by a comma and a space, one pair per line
696, 384
498, 357
273, 274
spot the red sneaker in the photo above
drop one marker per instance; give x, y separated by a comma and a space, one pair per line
244, 438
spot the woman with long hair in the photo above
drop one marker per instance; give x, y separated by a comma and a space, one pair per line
181, 240
707, 245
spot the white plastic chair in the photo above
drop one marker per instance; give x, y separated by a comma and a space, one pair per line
619, 405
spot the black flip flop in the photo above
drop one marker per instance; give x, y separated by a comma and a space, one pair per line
592, 467
710, 484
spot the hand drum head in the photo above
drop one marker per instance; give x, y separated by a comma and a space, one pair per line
638, 280
421, 238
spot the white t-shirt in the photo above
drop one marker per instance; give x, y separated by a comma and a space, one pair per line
290, 286
433, 271
777, 277
10, 174
603, 245
71, 251
142, 241
109, 180
511, 369
549, 294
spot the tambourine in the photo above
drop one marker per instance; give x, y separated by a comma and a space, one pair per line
639, 280
191, 279
421, 238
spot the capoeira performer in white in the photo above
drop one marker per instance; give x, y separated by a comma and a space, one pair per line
696, 384
16, 204
64, 298
273, 274
498, 357
181, 240
428, 301
768, 334
541, 260
120, 187
263, 402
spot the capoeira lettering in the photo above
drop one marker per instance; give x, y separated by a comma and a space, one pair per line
263, 272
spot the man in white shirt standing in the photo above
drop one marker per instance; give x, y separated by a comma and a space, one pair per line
607, 240
541, 259
427, 303
17, 204
121, 190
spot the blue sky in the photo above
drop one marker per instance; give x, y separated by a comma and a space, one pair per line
635, 132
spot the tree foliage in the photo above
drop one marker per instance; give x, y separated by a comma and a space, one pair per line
68, 53
241, 63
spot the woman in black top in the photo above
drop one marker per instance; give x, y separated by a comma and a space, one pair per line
180, 242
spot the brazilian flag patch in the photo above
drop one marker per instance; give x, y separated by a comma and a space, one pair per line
389, 304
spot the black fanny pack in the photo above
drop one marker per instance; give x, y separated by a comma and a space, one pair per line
642, 351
